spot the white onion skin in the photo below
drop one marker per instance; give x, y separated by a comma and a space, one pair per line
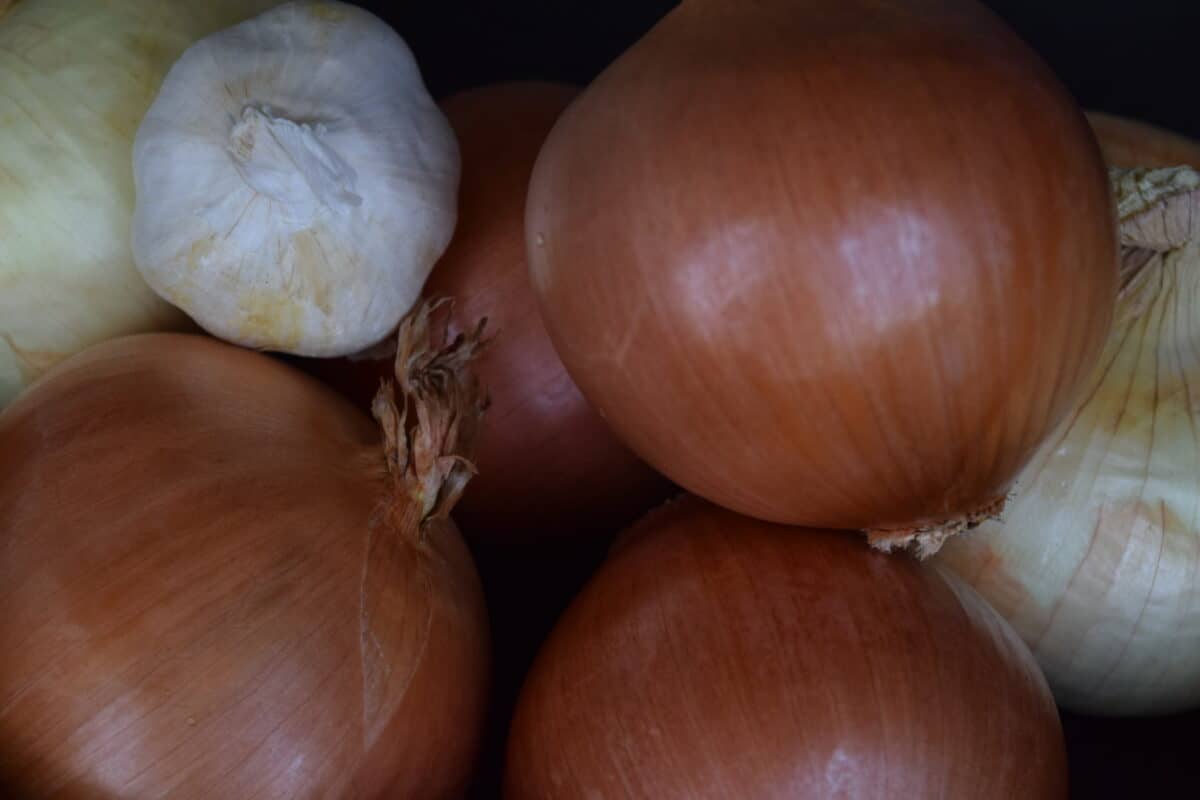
717, 656
836, 264
203, 596
1096, 562
1132, 143
76, 77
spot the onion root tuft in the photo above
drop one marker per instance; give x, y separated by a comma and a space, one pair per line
925, 540
430, 460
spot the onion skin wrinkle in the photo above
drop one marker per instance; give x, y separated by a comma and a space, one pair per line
1130, 143
812, 261
215, 584
718, 656
548, 465
1096, 561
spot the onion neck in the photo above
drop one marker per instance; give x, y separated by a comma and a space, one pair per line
1159, 212
428, 458
291, 163
925, 540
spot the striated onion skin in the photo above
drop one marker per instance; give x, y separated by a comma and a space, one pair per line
1096, 562
548, 465
831, 264
1130, 143
718, 656
207, 592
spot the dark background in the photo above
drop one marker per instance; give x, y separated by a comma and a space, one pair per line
1132, 57
1124, 56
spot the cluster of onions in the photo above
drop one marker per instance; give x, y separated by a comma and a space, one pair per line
867, 310
718, 656
877, 296
219, 580
1097, 561
548, 465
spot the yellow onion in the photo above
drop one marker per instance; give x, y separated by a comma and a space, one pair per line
1097, 560
837, 263
717, 656
217, 581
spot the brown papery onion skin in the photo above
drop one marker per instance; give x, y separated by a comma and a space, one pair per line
718, 656
548, 465
1131, 143
212, 587
838, 264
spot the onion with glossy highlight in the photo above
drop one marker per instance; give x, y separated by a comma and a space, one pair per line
218, 582
839, 264
718, 656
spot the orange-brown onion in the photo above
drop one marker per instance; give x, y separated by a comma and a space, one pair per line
718, 656
548, 465
212, 588
1131, 143
840, 264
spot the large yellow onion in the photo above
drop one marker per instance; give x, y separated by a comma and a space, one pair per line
217, 582
716, 656
76, 76
1097, 560
838, 263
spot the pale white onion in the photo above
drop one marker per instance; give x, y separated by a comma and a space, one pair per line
76, 76
1097, 560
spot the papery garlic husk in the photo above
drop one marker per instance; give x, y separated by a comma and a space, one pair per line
295, 181
1096, 562
76, 78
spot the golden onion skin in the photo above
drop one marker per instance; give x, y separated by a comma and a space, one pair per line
718, 656
205, 594
835, 264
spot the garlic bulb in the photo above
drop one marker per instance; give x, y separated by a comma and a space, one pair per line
1097, 561
295, 181
76, 78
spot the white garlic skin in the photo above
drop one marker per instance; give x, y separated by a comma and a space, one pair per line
295, 181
